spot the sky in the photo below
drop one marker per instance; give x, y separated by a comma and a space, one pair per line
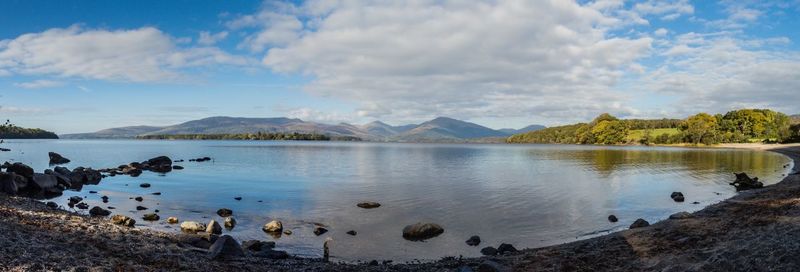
80, 66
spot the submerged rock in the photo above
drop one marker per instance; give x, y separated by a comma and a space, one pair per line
119, 219
172, 220
677, 196
639, 223
151, 217
224, 212
230, 223
352, 232
320, 230
225, 248
422, 231
475, 240
273, 226
56, 158
144, 185
612, 218
368, 205
141, 208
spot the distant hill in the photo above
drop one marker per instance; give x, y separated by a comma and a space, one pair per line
511, 131
436, 130
795, 119
444, 128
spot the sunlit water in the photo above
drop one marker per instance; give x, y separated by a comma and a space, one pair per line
526, 195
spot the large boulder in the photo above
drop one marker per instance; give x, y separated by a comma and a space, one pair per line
192, 226
160, 164
56, 158
20, 169
274, 226
422, 231
159, 161
8, 184
225, 248
43, 181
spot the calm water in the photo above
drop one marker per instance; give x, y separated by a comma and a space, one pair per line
527, 195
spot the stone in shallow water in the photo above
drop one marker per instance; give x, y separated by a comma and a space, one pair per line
97, 211
151, 217
192, 226
172, 220
612, 218
475, 240
273, 226
214, 227
352, 232
224, 212
368, 205
422, 231
123, 220
320, 231
677, 196
230, 223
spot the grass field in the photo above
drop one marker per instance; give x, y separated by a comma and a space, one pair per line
636, 135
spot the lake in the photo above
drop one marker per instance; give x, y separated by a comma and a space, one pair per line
526, 195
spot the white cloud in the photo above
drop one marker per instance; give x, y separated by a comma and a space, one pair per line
206, 38
309, 114
672, 8
410, 60
140, 55
38, 84
661, 32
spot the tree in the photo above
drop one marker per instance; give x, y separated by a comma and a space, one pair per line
700, 128
610, 132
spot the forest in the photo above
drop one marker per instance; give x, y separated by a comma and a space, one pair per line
738, 126
259, 136
10, 131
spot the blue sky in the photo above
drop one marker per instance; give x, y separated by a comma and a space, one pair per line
78, 66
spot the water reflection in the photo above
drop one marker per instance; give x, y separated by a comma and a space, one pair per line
528, 195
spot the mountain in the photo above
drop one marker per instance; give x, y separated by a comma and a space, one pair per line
113, 133
439, 129
447, 129
511, 131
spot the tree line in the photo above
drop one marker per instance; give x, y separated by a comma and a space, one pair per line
738, 126
10, 131
259, 136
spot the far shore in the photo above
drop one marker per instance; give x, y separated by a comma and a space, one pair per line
756, 230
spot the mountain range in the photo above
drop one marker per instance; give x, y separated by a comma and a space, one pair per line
441, 129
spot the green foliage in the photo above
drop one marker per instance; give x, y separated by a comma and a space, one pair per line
739, 126
10, 131
260, 136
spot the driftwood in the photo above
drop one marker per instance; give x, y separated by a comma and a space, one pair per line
744, 182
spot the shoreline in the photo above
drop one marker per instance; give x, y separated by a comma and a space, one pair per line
753, 230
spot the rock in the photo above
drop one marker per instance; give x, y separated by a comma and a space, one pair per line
225, 248
177, 167
7, 150
52, 205
151, 217
43, 181
373, 263
141, 208
20, 169
56, 158
119, 219
224, 212
273, 226
82, 206
256, 245
639, 223
287, 232
491, 266
238, 198
62, 170
272, 254
352, 233
612, 218
475, 240
138, 198
104, 198
489, 251
320, 230
92, 192
160, 160
7, 183
744, 182
464, 268
144, 185
230, 223
213, 227
75, 199
680, 215
677, 196
368, 205
506, 248
192, 226
156, 193
97, 211
696, 202
422, 231
172, 220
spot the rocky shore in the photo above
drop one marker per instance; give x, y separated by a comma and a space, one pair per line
757, 230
